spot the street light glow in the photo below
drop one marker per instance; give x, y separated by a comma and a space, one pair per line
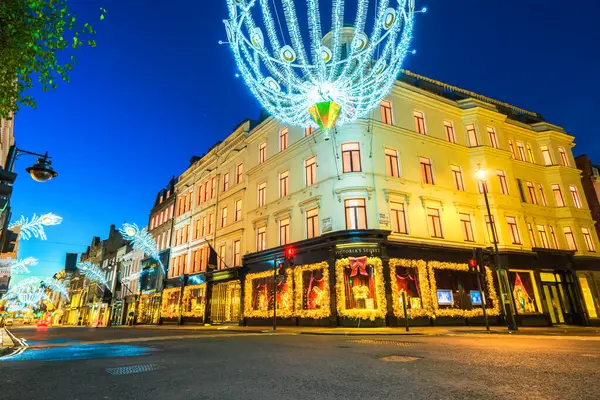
481, 174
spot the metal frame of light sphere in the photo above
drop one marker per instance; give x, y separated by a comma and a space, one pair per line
288, 80
42, 171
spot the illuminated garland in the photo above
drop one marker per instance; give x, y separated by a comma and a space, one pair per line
421, 267
476, 312
35, 226
19, 266
381, 310
165, 310
288, 80
187, 294
283, 312
325, 310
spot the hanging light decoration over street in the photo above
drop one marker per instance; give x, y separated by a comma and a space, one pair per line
340, 77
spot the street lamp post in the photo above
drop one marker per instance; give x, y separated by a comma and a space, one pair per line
41, 171
504, 284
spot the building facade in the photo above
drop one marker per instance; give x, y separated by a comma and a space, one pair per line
385, 214
589, 275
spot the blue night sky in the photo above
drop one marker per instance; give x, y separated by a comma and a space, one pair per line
159, 89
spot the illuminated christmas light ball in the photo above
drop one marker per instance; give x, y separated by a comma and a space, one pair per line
323, 80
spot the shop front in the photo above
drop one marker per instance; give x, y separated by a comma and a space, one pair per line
363, 280
193, 303
151, 281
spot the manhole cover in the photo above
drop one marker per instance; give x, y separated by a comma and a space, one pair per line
399, 358
383, 341
133, 369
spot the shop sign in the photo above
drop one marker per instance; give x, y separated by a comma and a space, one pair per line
196, 279
327, 224
384, 219
357, 249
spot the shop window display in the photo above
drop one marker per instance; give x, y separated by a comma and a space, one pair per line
359, 288
258, 297
170, 303
455, 293
410, 276
524, 291
194, 301
312, 291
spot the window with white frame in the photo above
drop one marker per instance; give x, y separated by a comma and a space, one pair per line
543, 236
356, 214
570, 238
262, 152
284, 183
449, 129
391, 162
542, 195
467, 227
284, 231
262, 193
225, 181
434, 222
472, 135
222, 257
261, 233
386, 112
283, 139
237, 253
426, 170
512, 149
223, 217
309, 130
530, 154
312, 223
531, 190
502, 179
521, 150
531, 235
351, 157
553, 236
558, 198
457, 177
493, 137
564, 158
239, 173
419, 122
513, 230
238, 210
398, 217
575, 195
310, 171
492, 232
589, 242
546, 154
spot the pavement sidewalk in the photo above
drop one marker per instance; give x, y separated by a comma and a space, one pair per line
400, 331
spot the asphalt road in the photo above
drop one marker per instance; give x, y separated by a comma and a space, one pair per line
241, 366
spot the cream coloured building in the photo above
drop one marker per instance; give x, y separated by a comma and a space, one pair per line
401, 187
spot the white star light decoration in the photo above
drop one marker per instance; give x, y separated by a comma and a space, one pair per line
92, 272
342, 76
35, 226
141, 240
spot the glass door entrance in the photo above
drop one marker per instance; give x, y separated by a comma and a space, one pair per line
554, 302
225, 304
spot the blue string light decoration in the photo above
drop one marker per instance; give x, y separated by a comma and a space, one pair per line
346, 69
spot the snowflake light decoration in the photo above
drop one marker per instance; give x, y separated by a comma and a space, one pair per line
35, 226
141, 240
92, 272
19, 266
348, 71
16, 307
